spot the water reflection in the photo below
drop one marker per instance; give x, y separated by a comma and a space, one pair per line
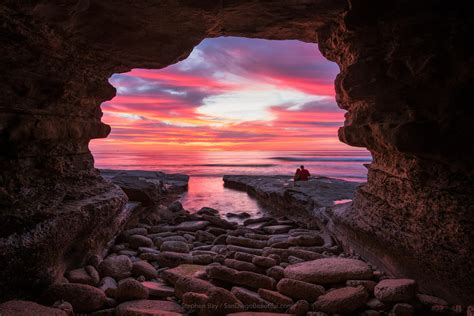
210, 192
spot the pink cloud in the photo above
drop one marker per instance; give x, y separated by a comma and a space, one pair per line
161, 106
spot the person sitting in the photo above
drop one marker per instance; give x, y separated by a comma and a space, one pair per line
304, 174
297, 175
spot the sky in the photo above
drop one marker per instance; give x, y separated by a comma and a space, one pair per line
229, 94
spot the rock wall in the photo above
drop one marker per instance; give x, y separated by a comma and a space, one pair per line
406, 80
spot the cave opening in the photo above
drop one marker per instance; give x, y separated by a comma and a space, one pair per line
234, 106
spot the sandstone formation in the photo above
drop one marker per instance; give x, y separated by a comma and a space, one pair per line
406, 93
406, 82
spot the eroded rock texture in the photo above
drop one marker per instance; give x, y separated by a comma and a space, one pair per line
406, 80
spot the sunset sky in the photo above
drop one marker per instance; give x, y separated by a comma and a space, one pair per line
229, 94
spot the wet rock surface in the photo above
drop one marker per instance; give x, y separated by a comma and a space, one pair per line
231, 278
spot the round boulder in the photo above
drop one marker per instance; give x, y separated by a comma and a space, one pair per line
329, 270
117, 267
395, 290
345, 300
136, 241
83, 298
300, 289
144, 268
130, 289
174, 246
87, 275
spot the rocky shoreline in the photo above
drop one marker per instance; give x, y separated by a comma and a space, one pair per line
208, 265
294, 200
168, 261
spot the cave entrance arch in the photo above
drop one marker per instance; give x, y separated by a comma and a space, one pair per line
407, 94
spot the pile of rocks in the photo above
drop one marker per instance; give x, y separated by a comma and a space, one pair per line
206, 265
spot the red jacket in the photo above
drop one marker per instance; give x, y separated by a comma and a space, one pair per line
304, 175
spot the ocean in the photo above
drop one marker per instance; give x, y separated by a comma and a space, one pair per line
206, 169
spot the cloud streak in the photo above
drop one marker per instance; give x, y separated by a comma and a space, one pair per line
230, 93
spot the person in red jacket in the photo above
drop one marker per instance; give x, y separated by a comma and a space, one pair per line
304, 174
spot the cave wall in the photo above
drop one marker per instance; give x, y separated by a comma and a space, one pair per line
406, 80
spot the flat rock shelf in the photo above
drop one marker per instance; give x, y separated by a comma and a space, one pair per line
294, 199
